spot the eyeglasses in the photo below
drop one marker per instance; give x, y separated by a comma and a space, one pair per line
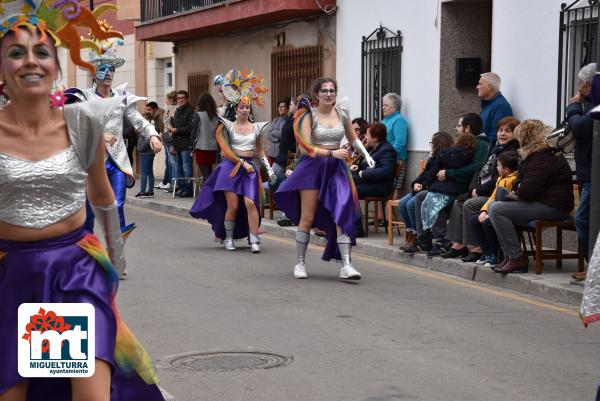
181, 98
326, 91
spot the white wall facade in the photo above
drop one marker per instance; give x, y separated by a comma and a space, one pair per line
525, 55
420, 58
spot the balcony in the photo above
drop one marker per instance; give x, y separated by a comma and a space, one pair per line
178, 20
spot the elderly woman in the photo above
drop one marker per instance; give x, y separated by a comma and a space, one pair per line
397, 129
544, 190
459, 229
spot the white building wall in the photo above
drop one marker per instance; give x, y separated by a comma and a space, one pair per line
525, 55
420, 58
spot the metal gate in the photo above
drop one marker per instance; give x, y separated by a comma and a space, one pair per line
576, 48
293, 71
381, 68
197, 85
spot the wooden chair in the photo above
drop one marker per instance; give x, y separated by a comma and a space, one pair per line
382, 201
536, 229
391, 213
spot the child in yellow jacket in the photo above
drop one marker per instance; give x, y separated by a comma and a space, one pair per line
508, 164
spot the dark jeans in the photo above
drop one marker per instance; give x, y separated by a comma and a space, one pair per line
485, 234
146, 164
183, 162
582, 219
168, 165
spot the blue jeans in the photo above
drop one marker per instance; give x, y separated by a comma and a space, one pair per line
582, 218
146, 164
118, 182
168, 165
406, 208
183, 162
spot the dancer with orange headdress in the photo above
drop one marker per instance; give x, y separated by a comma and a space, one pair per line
51, 158
230, 199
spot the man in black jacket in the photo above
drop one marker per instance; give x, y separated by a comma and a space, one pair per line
582, 127
181, 134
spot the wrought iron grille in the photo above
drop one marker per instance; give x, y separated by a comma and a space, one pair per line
293, 71
197, 85
576, 48
157, 9
381, 68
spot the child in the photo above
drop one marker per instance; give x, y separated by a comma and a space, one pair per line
406, 205
508, 163
442, 193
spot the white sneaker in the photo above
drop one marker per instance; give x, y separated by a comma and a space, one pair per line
300, 271
229, 244
255, 247
349, 273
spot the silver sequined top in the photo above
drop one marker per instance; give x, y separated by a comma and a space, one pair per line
243, 142
325, 136
40, 193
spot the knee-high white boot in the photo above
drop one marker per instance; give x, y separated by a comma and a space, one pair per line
254, 243
229, 243
302, 239
347, 272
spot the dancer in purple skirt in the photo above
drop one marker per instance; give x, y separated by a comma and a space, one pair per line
230, 198
320, 193
50, 158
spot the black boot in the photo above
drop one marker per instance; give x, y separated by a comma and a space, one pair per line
424, 243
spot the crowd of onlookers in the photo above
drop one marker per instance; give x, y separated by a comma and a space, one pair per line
495, 172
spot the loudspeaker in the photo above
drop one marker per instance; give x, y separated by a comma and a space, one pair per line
468, 70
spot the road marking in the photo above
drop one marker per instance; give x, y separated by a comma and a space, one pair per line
400, 266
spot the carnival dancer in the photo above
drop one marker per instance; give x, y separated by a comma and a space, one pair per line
320, 193
230, 198
118, 167
49, 159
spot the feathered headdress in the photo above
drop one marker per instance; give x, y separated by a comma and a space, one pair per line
244, 86
59, 19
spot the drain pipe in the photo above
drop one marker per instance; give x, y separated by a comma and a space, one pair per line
595, 195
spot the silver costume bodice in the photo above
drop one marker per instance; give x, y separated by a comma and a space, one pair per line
40, 193
325, 136
243, 142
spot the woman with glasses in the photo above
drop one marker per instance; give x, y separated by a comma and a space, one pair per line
321, 193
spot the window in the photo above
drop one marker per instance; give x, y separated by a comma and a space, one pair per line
197, 85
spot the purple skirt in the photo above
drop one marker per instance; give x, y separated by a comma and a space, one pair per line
59, 270
338, 202
211, 204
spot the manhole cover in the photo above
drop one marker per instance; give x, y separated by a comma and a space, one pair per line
230, 361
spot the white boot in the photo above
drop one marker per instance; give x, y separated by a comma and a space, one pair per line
254, 243
229, 242
302, 238
348, 272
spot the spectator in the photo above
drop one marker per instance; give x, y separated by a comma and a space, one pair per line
494, 105
544, 190
379, 180
406, 206
471, 123
443, 192
287, 145
130, 139
582, 126
204, 125
181, 131
168, 114
397, 130
507, 165
359, 125
468, 205
275, 128
155, 115
146, 164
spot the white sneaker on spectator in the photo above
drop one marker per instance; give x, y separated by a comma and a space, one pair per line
482, 260
300, 271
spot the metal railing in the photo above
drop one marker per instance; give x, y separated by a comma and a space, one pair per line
576, 48
152, 10
381, 66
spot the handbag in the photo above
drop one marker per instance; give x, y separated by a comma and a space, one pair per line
562, 139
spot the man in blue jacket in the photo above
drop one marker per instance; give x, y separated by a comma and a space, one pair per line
494, 106
582, 127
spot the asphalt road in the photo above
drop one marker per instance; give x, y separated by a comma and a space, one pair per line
401, 333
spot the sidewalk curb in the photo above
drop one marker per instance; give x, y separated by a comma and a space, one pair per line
526, 284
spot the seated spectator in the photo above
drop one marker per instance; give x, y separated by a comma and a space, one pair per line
406, 205
544, 190
441, 193
507, 165
468, 123
469, 204
397, 130
359, 125
379, 180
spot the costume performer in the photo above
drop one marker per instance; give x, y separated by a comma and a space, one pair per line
320, 192
49, 159
230, 198
118, 165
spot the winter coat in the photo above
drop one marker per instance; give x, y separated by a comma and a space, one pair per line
287, 143
502, 182
582, 127
182, 121
379, 180
492, 111
397, 133
466, 173
489, 173
453, 157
